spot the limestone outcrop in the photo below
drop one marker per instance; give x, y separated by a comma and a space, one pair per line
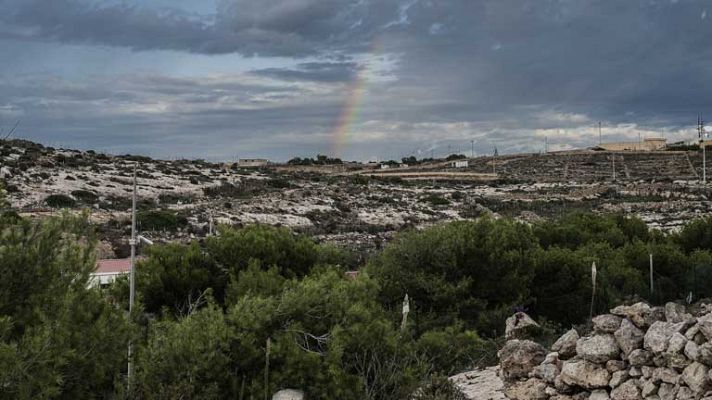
635, 352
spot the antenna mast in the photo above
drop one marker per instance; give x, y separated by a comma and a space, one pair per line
701, 134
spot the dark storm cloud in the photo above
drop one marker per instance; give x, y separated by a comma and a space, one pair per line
266, 27
501, 71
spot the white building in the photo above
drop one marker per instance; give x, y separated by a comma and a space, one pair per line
108, 270
252, 162
459, 164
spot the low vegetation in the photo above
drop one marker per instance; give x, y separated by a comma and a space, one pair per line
207, 310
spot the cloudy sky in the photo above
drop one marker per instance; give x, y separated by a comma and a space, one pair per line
362, 79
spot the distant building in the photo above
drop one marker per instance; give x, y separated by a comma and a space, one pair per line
385, 166
648, 144
252, 162
108, 270
459, 164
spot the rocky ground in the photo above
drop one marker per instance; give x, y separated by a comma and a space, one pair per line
353, 205
635, 352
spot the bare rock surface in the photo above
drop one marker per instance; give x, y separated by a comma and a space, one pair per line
480, 385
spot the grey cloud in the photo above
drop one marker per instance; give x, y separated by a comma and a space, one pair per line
313, 71
269, 27
504, 68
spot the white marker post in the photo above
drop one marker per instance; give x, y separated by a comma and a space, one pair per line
406, 310
593, 287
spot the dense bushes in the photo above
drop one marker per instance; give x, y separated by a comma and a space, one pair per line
478, 271
58, 339
472, 271
207, 310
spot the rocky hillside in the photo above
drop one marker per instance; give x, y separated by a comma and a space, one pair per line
180, 198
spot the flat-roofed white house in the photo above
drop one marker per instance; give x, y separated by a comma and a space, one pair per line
108, 270
459, 164
252, 162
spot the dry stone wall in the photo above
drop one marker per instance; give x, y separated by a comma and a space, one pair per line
635, 352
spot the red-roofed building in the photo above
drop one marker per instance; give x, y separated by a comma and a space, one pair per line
108, 270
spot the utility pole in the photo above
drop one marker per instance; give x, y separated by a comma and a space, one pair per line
701, 134
599, 133
132, 287
472, 149
613, 157
494, 161
546, 144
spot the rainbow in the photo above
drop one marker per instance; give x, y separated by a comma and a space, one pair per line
352, 106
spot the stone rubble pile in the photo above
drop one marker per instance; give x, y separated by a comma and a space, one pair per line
635, 352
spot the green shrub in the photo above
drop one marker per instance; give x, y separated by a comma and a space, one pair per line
60, 201
436, 200
160, 220
85, 196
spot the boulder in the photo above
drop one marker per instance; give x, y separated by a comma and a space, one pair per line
667, 375
705, 325
599, 395
627, 390
629, 337
288, 394
598, 348
531, 389
640, 357
584, 374
658, 336
519, 357
638, 313
685, 393
692, 350
704, 353
546, 372
691, 332
577, 396
520, 326
675, 313
635, 372
617, 378
667, 391
615, 365
566, 344
648, 388
677, 361
695, 376
677, 343
606, 323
